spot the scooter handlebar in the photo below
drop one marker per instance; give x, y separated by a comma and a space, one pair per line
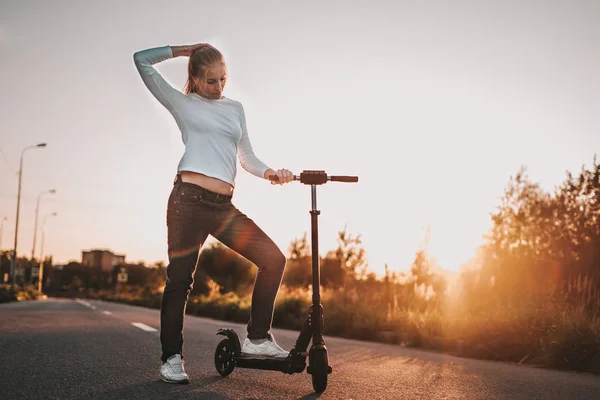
317, 178
342, 178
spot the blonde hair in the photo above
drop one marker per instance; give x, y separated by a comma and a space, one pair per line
198, 63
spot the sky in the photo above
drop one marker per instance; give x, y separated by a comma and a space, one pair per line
433, 104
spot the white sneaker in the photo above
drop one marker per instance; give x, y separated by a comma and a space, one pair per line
264, 347
172, 370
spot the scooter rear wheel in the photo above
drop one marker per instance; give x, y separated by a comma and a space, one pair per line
224, 357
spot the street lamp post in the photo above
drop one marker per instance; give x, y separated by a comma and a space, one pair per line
1, 230
14, 259
41, 278
35, 224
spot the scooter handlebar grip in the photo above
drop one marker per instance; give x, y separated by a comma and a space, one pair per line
344, 178
275, 178
333, 178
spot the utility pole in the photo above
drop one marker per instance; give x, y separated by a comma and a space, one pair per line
15, 256
2, 229
41, 277
37, 211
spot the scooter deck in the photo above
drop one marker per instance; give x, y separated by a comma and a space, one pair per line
259, 357
288, 365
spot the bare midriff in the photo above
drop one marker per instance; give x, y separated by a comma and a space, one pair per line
207, 182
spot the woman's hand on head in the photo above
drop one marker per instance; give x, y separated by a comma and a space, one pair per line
188, 50
192, 48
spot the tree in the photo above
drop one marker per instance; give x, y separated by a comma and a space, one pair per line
231, 271
521, 236
299, 248
577, 222
426, 272
333, 273
298, 272
539, 239
351, 253
421, 269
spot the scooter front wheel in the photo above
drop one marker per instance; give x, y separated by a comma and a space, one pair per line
224, 357
319, 370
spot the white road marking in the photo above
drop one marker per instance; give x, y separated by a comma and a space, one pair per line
144, 327
85, 303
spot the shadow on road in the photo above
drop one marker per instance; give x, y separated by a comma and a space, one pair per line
157, 389
310, 396
307, 397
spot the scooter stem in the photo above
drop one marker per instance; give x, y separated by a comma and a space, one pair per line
315, 247
317, 310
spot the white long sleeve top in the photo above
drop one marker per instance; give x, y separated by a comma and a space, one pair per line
213, 131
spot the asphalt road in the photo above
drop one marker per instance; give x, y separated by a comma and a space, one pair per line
79, 349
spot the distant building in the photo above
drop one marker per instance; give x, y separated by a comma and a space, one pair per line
104, 260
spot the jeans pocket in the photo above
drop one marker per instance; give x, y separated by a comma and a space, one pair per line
189, 196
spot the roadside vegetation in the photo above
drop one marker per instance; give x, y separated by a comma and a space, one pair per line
531, 295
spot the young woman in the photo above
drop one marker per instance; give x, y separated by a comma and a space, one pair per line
213, 129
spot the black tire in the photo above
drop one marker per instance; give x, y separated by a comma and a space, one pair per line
224, 357
319, 363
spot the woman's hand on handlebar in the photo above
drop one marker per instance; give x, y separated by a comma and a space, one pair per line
283, 175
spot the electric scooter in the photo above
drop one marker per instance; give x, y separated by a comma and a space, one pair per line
228, 353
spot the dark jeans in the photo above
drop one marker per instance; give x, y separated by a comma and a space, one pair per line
193, 213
